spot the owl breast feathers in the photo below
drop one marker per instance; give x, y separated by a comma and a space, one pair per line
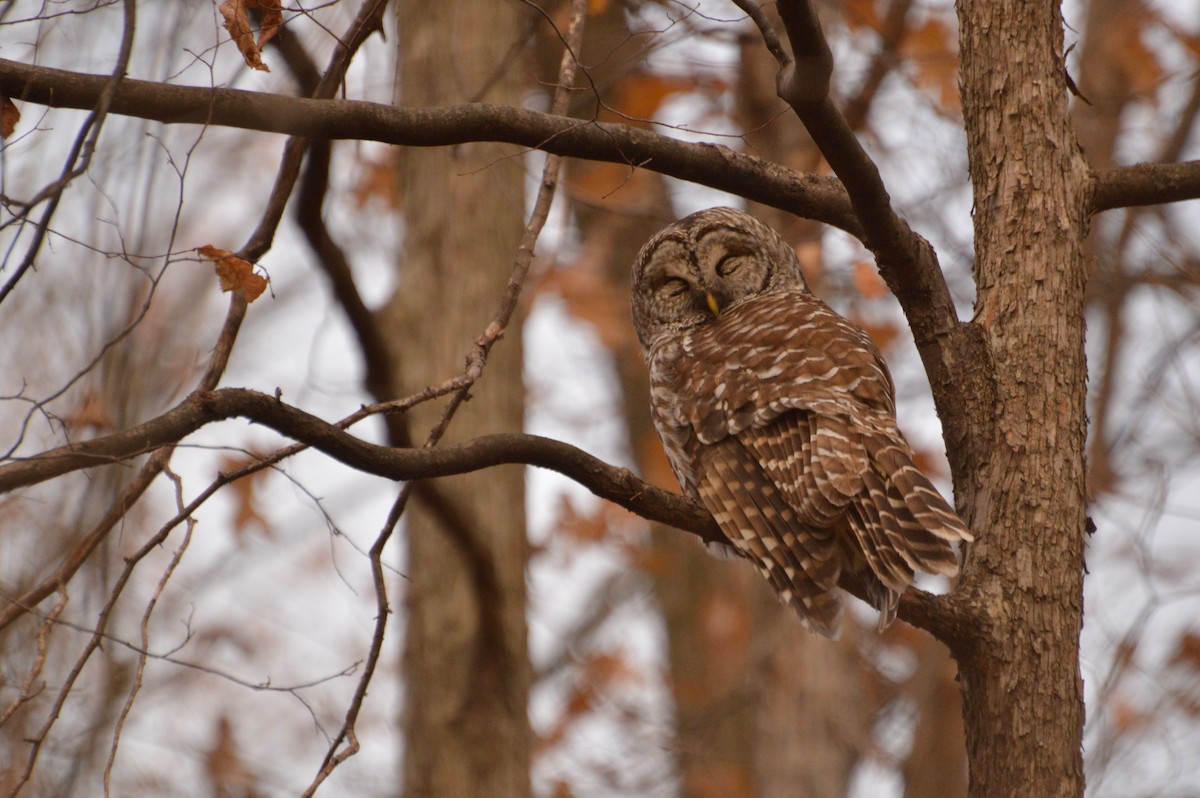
779, 416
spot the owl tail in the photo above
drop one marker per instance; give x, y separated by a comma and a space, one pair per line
901, 524
802, 568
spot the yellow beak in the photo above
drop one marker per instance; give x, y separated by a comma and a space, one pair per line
712, 303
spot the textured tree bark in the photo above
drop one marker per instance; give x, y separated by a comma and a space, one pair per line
1022, 691
466, 665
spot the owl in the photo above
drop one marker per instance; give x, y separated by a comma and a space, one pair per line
779, 416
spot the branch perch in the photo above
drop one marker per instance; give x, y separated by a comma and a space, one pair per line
938, 614
820, 198
954, 353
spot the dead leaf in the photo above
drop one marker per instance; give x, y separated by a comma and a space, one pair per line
609, 669
272, 20
1126, 717
235, 273
1187, 652
882, 334
930, 465
237, 22
580, 528
9, 117
224, 768
861, 14
91, 413
592, 297
1138, 60
639, 96
377, 180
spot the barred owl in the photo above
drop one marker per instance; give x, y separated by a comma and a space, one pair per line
779, 416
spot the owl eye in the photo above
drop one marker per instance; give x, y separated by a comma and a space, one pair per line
729, 264
674, 287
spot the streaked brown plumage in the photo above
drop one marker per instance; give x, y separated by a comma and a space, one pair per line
779, 415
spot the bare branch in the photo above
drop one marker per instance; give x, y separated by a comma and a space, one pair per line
618, 485
954, 353
145, 477
204, 407
365, 23
80, 156
1145, 184
820, 198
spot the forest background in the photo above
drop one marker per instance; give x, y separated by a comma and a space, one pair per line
206, 615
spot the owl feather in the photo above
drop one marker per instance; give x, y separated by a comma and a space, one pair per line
779, 416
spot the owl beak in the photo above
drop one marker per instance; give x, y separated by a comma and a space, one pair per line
713, 304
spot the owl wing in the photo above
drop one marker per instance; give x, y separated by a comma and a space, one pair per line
738, 480
799, 415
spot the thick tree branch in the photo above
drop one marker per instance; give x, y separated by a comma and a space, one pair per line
955, 355
939, 615
820, 198
618, 485
1145, 184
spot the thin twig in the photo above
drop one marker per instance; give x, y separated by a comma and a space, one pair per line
80, 156
365, 23
144, 630
475, 554
137, 485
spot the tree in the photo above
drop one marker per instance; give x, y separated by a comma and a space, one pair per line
107, 427
467, 730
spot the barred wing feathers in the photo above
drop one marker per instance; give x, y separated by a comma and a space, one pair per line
780, 417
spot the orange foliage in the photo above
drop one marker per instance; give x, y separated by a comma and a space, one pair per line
932, 49
579, 528
882, 333
10, 115
930, 466
593, 298
635, 100
237, 22
235, 273
1187, 652
861, 14
378, 180
867, 281
244, 494
92, 412
1125, 45
224, 768
601, 672
638, 97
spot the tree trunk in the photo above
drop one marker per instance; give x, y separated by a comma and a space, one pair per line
466, 664
1022, 692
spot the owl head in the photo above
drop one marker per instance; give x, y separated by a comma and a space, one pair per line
704, 264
